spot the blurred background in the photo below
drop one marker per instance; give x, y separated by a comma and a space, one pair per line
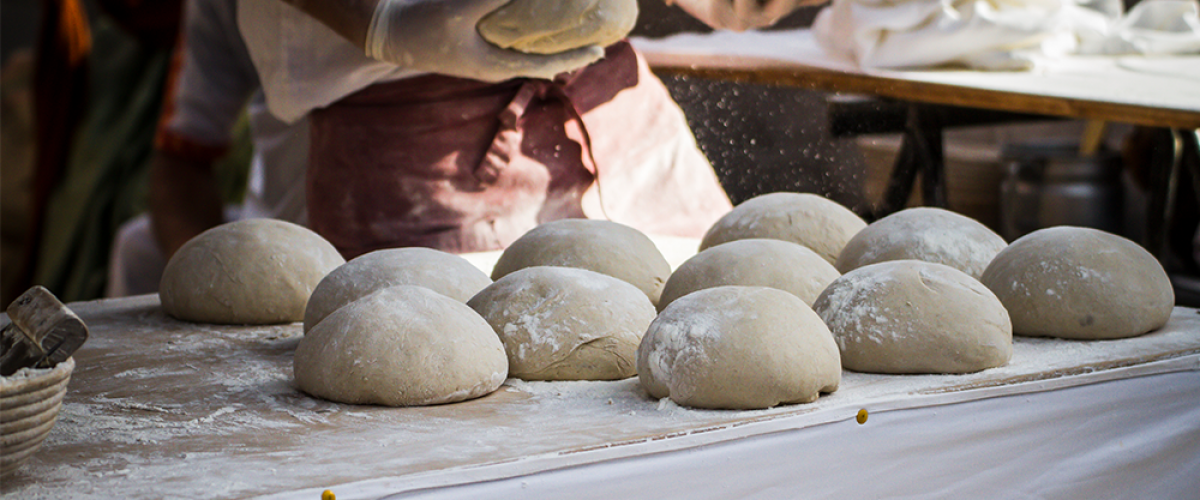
74, 153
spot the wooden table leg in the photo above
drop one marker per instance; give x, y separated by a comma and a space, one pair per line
925, 127
921, 150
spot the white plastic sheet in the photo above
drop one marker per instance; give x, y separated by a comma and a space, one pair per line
1125, 438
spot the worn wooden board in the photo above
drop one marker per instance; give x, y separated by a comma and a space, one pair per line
161, 408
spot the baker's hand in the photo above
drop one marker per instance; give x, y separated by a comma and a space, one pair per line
740, 15
439, 36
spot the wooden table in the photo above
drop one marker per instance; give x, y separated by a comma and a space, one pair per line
1161, 92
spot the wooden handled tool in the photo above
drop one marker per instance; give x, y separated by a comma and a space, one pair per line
43, 332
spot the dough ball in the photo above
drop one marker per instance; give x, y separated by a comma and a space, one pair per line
401, 346
1080, 283
552, 26
442, 272
605, 247
559, 323
775, 264
247, 272
738, 347
908, 316
928, 234
808, 219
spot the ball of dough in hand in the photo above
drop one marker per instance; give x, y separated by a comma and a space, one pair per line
401, 346
1080, 283
924, 233
247, 272
909, 316
754, 262
442, 272
605, 247
552, 26
808, 219
559, 323
738, 347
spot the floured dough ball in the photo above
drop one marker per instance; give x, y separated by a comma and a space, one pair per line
775, 264
442, 272
808, 219
247, 272
401, 346
605, 247
928, 234
738, 347
559, 323
552, 26
909, 316
1080, 283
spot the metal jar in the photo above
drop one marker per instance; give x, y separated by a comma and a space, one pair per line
1051, 184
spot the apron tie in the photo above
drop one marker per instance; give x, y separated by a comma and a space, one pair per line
508, 137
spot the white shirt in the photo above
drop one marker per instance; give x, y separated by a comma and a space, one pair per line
302, 64
215, 82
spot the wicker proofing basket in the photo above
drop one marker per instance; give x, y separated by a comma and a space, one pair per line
29, 403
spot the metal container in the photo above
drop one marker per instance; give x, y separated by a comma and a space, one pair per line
1051, 184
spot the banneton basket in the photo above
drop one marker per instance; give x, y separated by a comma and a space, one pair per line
29, 404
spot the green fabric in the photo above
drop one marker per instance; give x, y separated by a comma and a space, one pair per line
233, 170
105, 180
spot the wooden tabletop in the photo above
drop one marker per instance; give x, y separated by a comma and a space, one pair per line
160, 408
1095, 88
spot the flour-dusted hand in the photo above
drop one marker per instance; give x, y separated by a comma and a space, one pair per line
741, 15
440, 36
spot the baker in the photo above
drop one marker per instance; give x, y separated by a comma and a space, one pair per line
425, 134
215, 79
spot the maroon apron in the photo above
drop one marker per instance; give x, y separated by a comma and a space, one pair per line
463, 166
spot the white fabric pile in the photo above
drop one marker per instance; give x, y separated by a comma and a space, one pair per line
1002, 34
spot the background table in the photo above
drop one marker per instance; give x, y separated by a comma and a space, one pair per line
1154, 91
1162, 92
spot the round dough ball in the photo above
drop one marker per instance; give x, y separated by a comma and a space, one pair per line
559, 323
401, 346
442, 272
1080, 283
738, 347
246, 272
552, 26
602, 246
808, 219
775, 264
928, 234
909, 316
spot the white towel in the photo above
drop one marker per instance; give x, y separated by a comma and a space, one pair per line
1001, 34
